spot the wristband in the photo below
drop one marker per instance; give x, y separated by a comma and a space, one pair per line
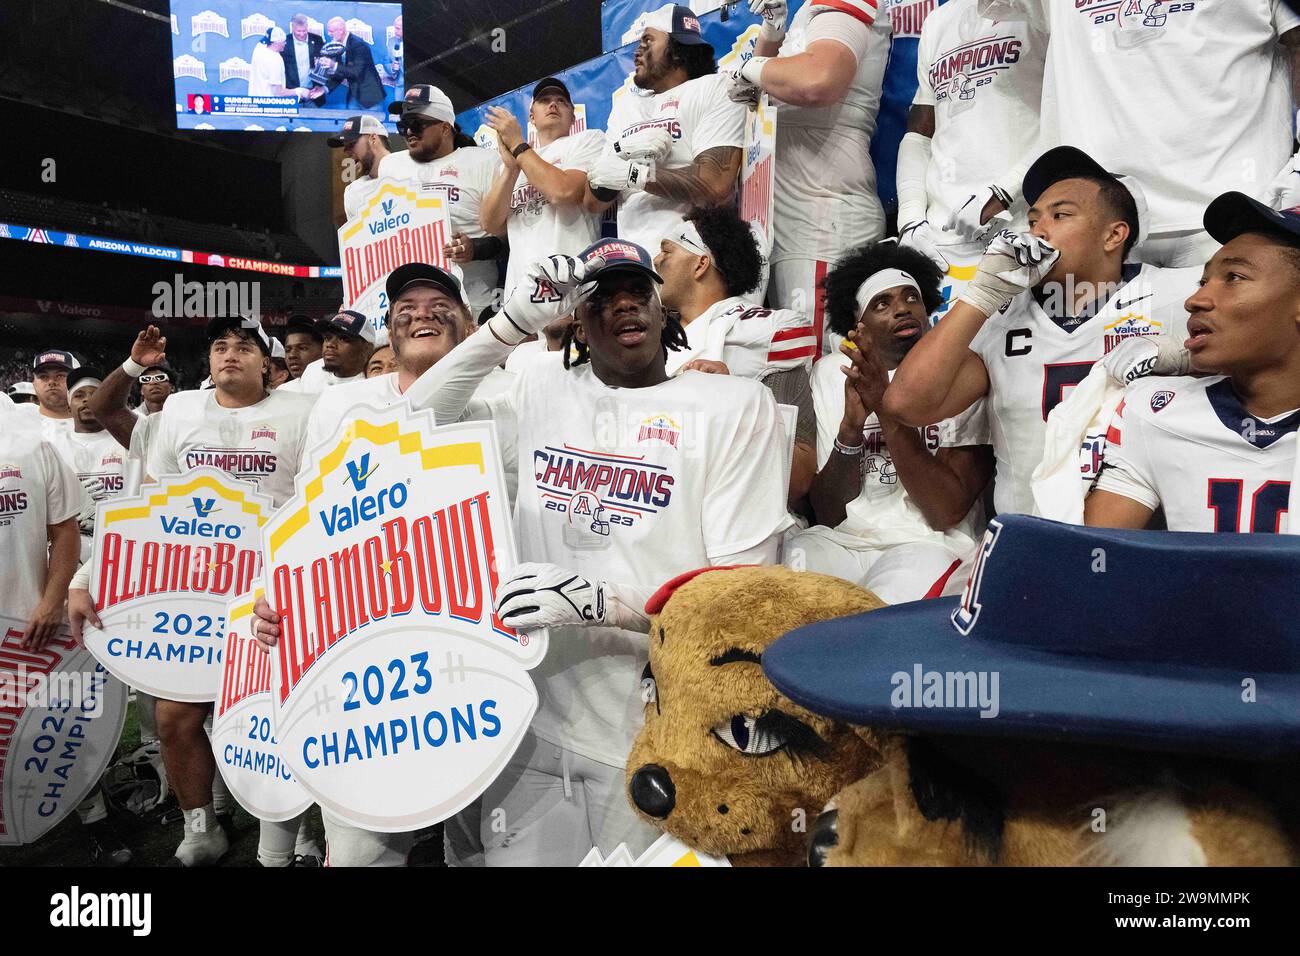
133, 368
487, 247
520, 150
850, 450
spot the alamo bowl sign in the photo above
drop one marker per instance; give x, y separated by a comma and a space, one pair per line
397, 695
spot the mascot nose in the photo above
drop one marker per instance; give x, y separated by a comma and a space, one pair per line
824, 836
653, 791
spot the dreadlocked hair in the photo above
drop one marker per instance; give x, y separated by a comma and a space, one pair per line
673, 339
459, 138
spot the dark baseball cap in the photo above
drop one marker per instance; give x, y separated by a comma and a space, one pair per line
78, 375
1070, 162
618, 255
55, 358
222, 324
415, 272
678, 22
1234, 214
352, 324
354, 127
551, 83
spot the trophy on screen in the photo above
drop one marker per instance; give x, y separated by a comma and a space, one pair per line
326, 63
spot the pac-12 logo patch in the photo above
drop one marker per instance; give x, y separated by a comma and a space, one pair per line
1161, 399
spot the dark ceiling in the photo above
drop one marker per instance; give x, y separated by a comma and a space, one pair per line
112, 59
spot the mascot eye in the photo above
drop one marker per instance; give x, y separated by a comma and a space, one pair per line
649, 690
749, 735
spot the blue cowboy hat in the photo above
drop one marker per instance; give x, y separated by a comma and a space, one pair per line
1148, 639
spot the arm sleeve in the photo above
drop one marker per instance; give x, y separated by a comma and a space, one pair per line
833, 23
828, 405
744, 497
863, 11
924, 89
448, 387
64, 496
1125, 469
714, 120
1284, 17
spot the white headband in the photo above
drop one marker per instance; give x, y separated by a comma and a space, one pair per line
878, 282
688, 237
82, 383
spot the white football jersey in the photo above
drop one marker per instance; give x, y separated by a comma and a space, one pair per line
1189, 446
699, 116
462, 178
537, 229
36, 490
1033, 362
1167, 107
643, 485
883, 514
984, 79
751, 340
260, 443
824, 184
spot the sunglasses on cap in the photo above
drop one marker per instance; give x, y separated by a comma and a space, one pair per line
147, 379
415, 126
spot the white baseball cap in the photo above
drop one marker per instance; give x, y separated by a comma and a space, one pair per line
425, 100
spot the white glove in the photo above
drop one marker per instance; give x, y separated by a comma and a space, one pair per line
965, 219
774, 13
919, 236
653, 144
744, 87
545, 595
1284, 191
552, 289
610, 172
1012, 264
1146, 355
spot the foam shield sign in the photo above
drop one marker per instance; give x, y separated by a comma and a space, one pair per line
397, 225
61, 716
247, 752
164, 566
397, 694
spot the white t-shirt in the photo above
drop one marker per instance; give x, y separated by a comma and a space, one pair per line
699, 116
356, 193
1189, 446
104, 469
462, 178
751, 340
1191, 99
315, 380
534, 227
824, 183
36, 490
883, 514
267, 72
260, 443
984, 79
645, 484
1033, 362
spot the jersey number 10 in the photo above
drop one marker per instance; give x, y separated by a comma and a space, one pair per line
1266, 505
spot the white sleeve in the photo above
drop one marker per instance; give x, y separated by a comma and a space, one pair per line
159, 453
64, 496
970, 427
1284, 17
924, 89
586, 151
448, 387
835, 24
322, 421
860, 11
744, 497
1125, 468
828, 406
713, 120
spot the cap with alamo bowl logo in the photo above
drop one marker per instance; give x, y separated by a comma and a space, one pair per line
55, 358
1132, 638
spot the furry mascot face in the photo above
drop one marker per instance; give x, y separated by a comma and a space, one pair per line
724, 762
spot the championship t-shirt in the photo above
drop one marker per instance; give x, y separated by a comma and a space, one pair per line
260, 443
104, 469
643, 485
534, 227
699, 116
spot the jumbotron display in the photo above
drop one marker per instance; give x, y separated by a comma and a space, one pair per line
258, 65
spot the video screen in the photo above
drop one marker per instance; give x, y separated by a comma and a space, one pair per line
254, 65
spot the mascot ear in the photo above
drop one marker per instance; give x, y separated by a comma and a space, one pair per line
660, 597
